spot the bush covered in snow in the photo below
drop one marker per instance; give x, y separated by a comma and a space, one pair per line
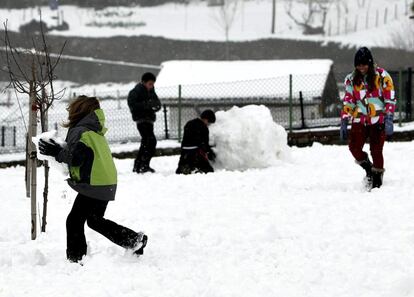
248, 137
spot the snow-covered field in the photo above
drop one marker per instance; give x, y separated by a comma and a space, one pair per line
350, 22
303, 228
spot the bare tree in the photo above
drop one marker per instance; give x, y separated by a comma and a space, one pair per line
32, 72
224, 16
307, 19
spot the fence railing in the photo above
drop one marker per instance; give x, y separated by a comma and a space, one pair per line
296, 102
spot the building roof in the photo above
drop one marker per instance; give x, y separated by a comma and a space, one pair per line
241, 79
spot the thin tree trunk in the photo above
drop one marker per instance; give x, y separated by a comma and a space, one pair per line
27, 167
45, 195
45, 123
33, 159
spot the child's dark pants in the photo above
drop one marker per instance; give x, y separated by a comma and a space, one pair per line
91, 211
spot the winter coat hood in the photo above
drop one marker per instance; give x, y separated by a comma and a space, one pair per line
95, 121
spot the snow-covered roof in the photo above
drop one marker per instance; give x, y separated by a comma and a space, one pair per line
241, 79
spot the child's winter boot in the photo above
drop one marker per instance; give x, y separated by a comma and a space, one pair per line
367, 166
377, 175
141, 243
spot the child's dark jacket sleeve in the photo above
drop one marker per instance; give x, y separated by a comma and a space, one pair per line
75, 152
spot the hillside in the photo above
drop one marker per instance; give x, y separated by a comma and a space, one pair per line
351, 22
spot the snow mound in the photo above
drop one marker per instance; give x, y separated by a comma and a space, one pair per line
247, 137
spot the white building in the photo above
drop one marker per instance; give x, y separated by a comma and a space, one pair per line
247, 79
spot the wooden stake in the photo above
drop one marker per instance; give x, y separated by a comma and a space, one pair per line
33, 159
45, 127
27, 169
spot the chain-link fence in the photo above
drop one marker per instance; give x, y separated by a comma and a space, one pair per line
295, 101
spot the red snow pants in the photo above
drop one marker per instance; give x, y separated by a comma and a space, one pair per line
359, 135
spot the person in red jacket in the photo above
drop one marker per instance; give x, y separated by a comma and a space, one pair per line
369, 102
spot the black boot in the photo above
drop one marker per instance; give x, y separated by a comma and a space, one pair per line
377, 175
145, 169
137, 165
367, 166
141, 244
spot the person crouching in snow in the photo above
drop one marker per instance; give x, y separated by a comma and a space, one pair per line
195, 149
370, 102
93, 175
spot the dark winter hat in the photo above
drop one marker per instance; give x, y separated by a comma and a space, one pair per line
148, 76
363, 57
209, 115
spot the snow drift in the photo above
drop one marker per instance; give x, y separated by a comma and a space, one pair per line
248, 137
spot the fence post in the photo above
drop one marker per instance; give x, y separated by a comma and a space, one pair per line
329, 28
14, 136
408, 94
346, 25
396, 11
3, 131
290, 104
8, 99
302, 113
400, 97
356, 23
179, 112
118, 97
167, 136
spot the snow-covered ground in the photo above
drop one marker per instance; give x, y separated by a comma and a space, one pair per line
302, 228
351, 22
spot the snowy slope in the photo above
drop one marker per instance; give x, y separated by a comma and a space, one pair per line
348, 22
302, 229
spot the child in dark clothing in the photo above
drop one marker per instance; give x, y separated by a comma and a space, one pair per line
93, 175
195, 149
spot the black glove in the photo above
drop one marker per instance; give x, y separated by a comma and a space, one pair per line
343, 132
211, 155
49, 148
389, 124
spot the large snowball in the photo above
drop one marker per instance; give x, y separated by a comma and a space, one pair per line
248, 137
47, 136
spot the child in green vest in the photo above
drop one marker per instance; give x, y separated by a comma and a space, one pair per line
93, 175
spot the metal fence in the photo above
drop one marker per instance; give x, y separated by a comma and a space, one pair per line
295, 101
